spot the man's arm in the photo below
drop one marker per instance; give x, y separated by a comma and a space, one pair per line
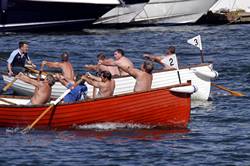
29, 62
95, 78
28, 80
131, 71
91, 81
155, 58
10, 72
61, 79
107, 62
52, 64
9, 61
91, 67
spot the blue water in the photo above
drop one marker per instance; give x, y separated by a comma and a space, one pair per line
218, 133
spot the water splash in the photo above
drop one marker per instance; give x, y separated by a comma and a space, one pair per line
113, 126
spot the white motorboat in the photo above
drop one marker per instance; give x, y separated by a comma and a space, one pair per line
158, 12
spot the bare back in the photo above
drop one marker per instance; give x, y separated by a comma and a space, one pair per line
143, 81
42, 93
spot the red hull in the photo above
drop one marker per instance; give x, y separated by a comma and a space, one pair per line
158, 107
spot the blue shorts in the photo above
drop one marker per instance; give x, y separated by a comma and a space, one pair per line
76, 94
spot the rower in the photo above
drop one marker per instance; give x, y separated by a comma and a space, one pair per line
168, 61
143, 76
43, 88
65, 66
105, 83
100, 67
76, 94
120, 59
18, 58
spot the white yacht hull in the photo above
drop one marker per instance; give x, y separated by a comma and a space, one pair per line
159, 11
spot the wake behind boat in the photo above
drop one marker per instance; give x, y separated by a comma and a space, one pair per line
162, 107
16, 15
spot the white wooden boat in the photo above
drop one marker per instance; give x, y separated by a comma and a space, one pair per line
200, 76
158, 11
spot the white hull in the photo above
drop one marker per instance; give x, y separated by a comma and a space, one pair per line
231, 5
126, 84
159, 11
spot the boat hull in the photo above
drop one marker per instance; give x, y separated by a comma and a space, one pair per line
57, 15
126, 84
158, 12
155, 108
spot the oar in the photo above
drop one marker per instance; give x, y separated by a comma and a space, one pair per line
7, 86
234, 93
36, 71
94, 92
29, 127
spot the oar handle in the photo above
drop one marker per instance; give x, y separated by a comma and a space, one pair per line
36, 71
9, 84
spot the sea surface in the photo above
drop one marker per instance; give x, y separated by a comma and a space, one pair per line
219, 130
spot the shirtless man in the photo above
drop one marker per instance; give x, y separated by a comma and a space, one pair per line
65, 65
99, 67
168, 61
42, 88
120, 59
105, 83
143, 77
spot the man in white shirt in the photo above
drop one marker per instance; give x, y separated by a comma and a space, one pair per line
168, 61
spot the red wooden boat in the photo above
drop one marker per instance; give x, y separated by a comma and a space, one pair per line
162, 107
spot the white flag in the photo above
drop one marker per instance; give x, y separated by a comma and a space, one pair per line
196, 41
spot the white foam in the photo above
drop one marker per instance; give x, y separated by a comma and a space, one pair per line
112, 126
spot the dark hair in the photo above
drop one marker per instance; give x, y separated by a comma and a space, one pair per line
148, 66
120, 51
50, 79
106, 74
65, 56
171, 49
21, 43
101, 56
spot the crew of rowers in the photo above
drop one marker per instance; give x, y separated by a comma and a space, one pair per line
107, 68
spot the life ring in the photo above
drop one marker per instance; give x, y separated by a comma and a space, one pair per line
185, 89
209, 74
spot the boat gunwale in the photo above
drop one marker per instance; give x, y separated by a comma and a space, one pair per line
89, 99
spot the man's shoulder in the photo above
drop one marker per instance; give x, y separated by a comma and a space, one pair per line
15, 52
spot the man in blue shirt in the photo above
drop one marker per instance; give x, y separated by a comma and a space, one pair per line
18, 58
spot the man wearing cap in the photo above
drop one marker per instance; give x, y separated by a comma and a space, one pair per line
18, 58
65, 66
